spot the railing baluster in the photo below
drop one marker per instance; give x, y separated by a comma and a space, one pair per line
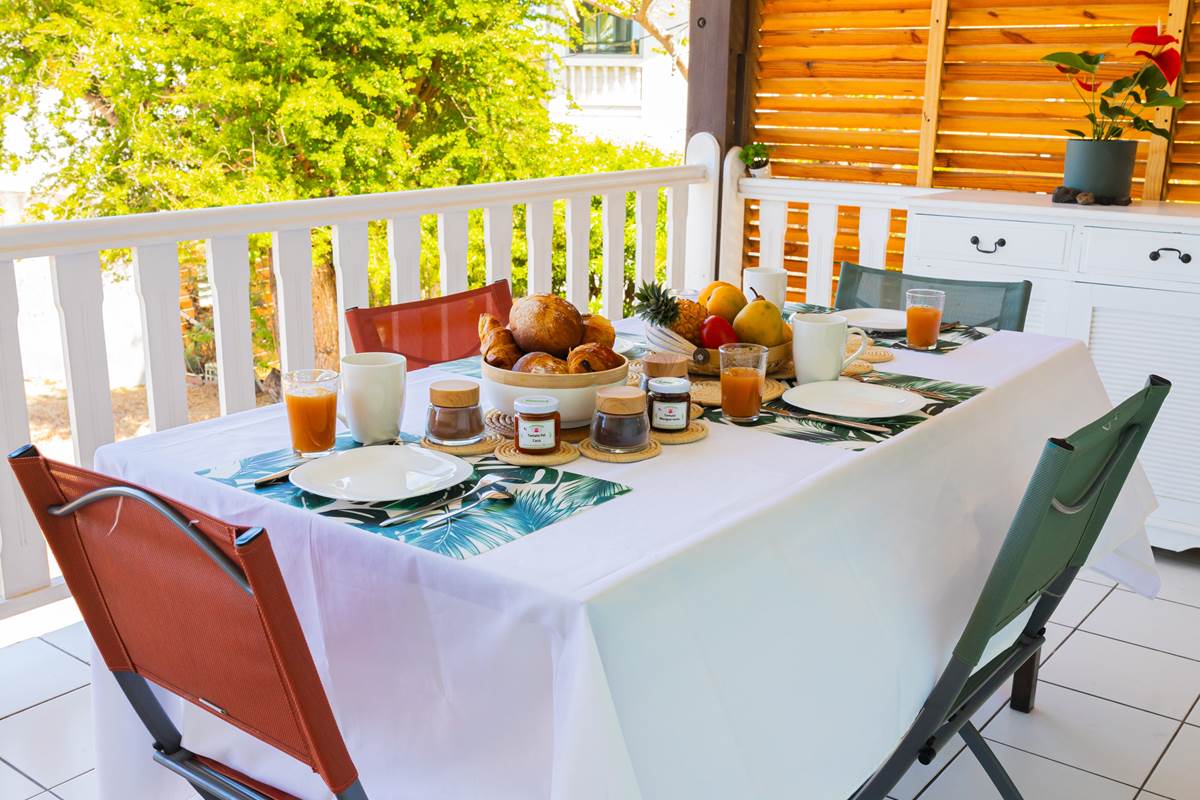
646, 205
404, 258
156, 279
822, 231
612, 215
291, 256
497, 242
539, 233
229, 276
351, 256
579, 224
874, 228
452, 251
79, 296
733, 219
772, 233
24, 566
677, 212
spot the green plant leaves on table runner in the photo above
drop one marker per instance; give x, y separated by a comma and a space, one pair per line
543, 496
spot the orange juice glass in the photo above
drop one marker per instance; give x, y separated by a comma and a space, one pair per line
310, 396
743, 371
924, 317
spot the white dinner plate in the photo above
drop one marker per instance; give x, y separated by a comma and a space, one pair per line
623, 345
380, 473
850, 398
876, 319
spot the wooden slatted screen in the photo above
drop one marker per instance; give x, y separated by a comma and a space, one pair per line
1183, 179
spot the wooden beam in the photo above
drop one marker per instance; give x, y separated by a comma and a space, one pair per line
1158, 159
716, 64
934, 61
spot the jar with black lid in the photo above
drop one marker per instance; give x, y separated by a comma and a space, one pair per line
670, 404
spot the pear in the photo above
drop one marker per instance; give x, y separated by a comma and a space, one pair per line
760, 322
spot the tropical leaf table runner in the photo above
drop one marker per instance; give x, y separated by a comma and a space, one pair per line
543, 496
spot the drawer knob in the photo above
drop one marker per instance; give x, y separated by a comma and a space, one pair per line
1184, 258
996, 246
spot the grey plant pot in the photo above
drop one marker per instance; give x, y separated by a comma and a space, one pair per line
1103, 168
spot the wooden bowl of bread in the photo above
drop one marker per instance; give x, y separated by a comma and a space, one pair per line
549, 348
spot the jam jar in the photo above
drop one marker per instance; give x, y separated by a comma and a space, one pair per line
663, 365
620, 424
670, 404
537, 425
455, 418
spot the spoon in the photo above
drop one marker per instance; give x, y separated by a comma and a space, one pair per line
491, 494
411, 514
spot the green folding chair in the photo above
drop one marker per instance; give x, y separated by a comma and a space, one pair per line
988, 304
1065, 505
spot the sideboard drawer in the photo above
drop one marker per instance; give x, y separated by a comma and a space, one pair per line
1116, 251
1039, 245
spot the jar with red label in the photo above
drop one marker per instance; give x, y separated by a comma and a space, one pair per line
670, 404
537, 425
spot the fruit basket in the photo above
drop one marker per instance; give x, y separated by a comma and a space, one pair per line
706, 361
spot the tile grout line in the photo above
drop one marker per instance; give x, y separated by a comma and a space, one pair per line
1144, 647
1062, 763
64, 652
43, 702
17, 770
1163, 754
60, 784
1115, 702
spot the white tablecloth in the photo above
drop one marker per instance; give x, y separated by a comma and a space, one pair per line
759, 618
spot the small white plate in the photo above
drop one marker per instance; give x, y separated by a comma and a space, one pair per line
849, 398
623, 345
876, 319
380, 473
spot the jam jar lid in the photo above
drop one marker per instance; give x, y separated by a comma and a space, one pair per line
663, 364
454, 394
535, 404
669, 385
621, 400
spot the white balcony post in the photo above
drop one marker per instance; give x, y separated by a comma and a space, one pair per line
351, 256
772, 233
874, 229
291, 257
822, 232
646, 211
539, 232
497, 243
229, 275
733, 219
452, 251
156, 280
579, 224
700, 255
612, 205
404, 258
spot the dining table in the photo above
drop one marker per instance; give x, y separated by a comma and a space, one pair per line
758, 616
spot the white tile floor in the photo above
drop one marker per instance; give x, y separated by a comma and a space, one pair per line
1117, 716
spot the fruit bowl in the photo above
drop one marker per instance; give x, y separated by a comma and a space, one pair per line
576, 392
709, 362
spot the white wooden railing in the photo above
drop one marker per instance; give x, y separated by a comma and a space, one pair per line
600, 81
875, 202
73, 249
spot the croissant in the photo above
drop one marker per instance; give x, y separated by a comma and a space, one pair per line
599, 330
487, 324
499, 348
541, 363
593, 357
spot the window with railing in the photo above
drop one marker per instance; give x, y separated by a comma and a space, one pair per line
604, 33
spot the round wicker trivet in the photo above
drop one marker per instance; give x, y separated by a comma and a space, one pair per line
852, 342
634, 378
708, 393
588, 451
478, 449
875, 355
858, 367
696, 410
694, 432
507, 452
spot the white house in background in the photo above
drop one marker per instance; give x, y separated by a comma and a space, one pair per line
616, 83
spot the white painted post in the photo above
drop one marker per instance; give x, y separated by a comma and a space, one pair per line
23, 563
677, 221
646, 210
497, 243
291, 257
539, 236
772, 233
452, 251
612, 216
156, 279
822, 231
79, 296
351, 256
404, 258
579, 226
733, 219
874, 228
229, 276
703, 204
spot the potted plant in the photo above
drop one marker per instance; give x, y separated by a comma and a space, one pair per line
1100, 162
757, 158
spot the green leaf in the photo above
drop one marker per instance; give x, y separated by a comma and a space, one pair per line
1080, 134
1119, 86
1075, 61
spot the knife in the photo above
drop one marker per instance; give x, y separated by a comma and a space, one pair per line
845, 423
416, 513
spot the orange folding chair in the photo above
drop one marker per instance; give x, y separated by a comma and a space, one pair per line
197, 606
429, 331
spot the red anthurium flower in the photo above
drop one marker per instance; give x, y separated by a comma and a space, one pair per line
1088, 86
1149, 34
1168, 62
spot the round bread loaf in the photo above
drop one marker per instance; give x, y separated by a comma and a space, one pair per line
545, 323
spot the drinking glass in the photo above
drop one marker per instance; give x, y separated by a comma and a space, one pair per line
924, 317
310, 396
743, 371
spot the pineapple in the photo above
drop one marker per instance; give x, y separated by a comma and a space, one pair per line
656, 306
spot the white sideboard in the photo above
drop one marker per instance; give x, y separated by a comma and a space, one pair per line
1126, 281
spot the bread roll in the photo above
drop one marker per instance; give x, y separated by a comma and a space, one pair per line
541, 364
545, 323
499, 348
592, 357
599, 330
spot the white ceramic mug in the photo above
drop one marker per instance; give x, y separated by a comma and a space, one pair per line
819, 346
373, 395
770, 283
